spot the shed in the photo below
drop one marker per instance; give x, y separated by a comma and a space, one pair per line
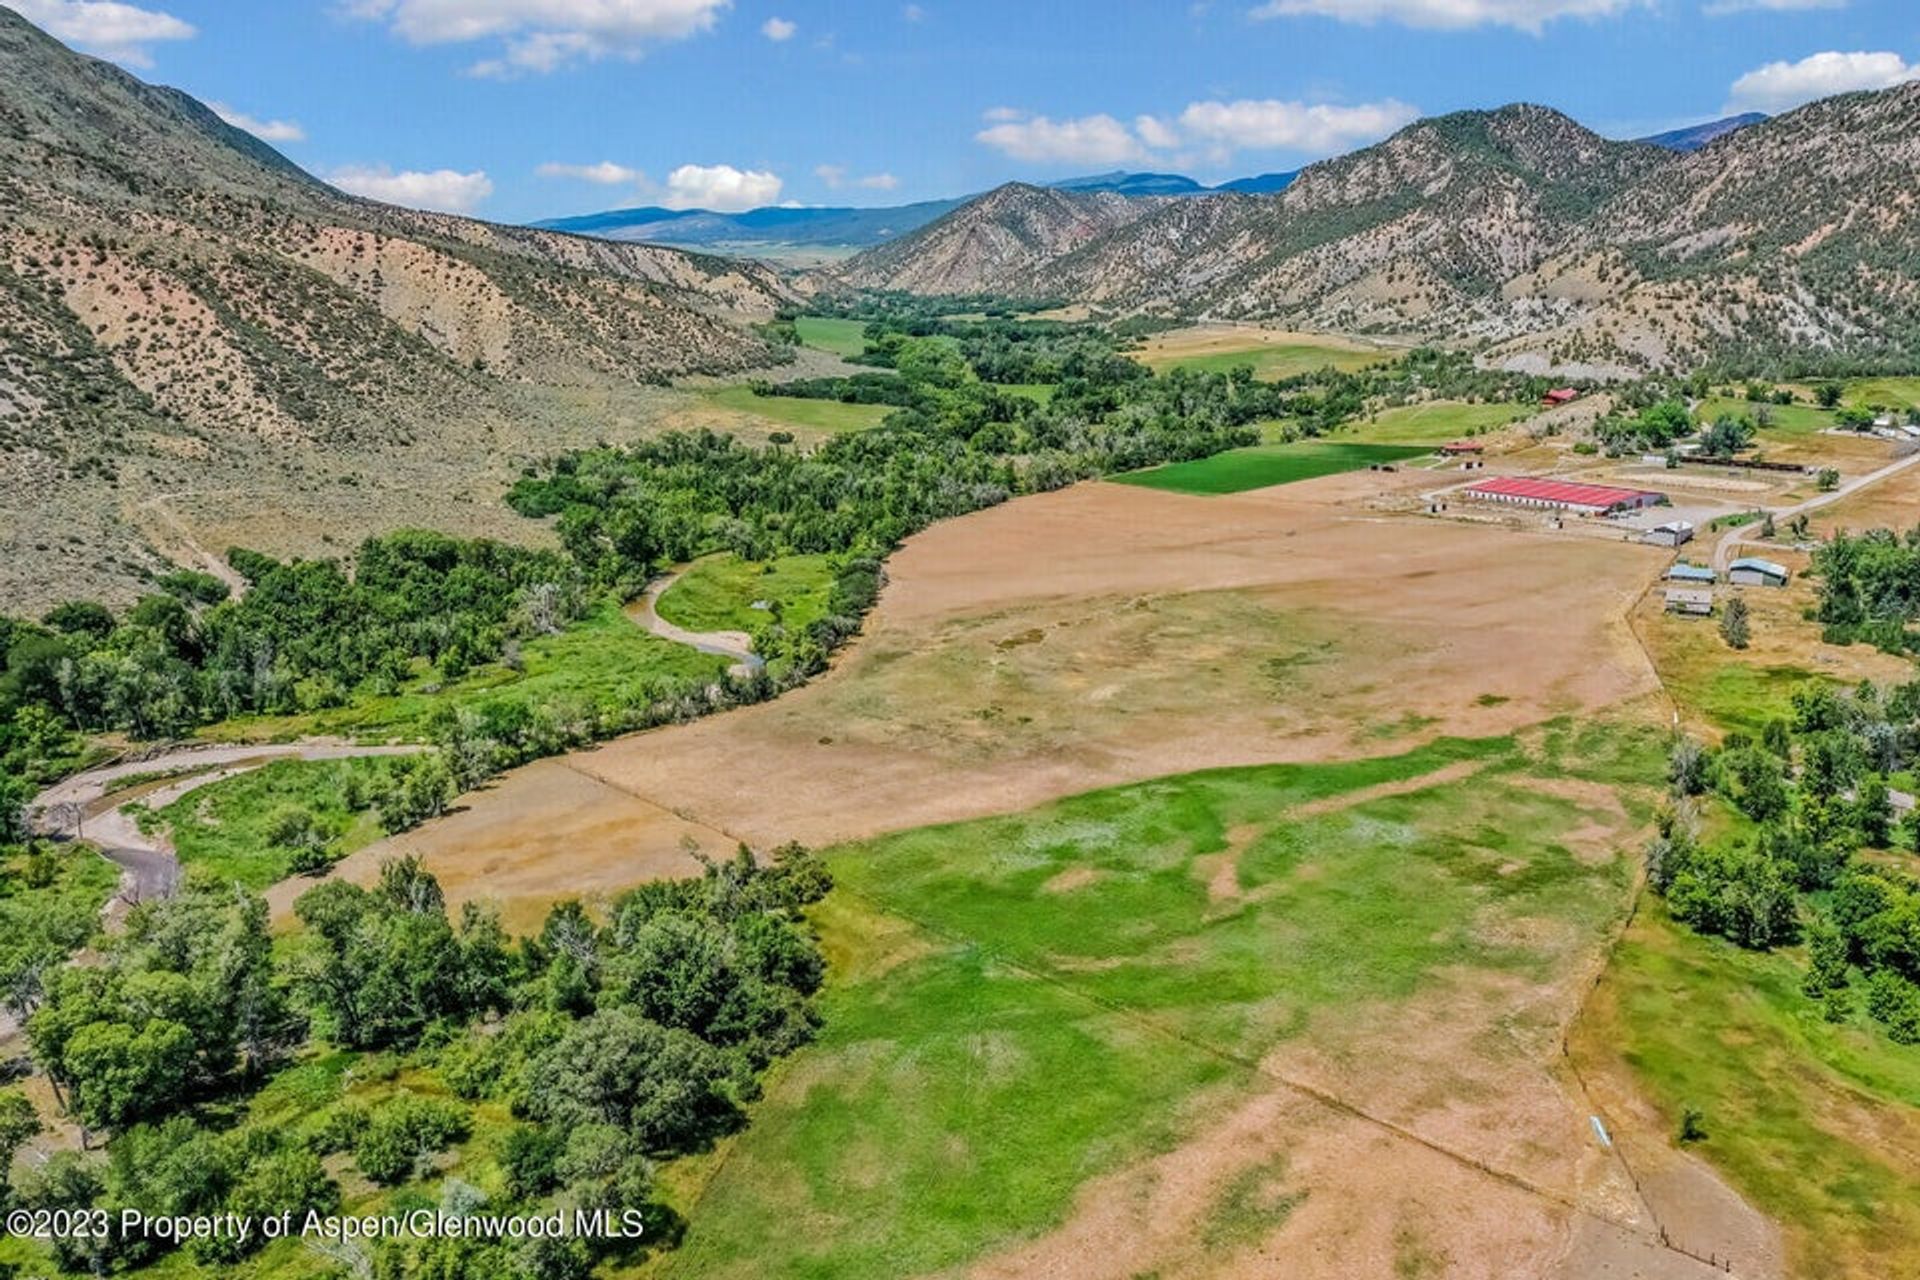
1462, 448
1752, 571
1559, 396
1684, 572
1671, 534
1690, 601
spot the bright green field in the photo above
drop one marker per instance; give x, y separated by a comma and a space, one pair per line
1804, 1117
1039, 392
1272, 362
604, 659
1789, 420
1261, 465
1435, 423
997, 1032
832, 333
224, 828
793, 411
718, 593
1895, 393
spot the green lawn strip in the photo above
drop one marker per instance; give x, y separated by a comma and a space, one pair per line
840, 336
1262, 465
1020, 1004
604, 659
1707, 1025
1271, 362
1434, 423
228, 828
1894, 393
718, 592
1786, 421
794, 411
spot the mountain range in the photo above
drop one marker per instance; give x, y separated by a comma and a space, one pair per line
803, 234
1518, 230
183, 311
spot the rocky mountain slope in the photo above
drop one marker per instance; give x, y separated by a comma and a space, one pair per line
995, 243
1521, 230
181, 307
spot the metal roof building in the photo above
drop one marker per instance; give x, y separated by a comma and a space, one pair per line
1691, 573
1536, 491
1752, 571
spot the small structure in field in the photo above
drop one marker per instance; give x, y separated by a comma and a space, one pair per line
1568, 495
1684, 572
1559, 396
1671, 534
1462, 449
1752, 571
1689, 602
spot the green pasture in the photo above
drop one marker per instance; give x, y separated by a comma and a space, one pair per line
1259, 466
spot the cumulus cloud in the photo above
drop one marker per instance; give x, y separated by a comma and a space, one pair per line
121, 32
539, 36
778, 29
720, 187
1267, 124
1215, 129
1097, 139
836, 176
1525, 15
1780, 86
266, 130
606, 173
445, 190
1720, 8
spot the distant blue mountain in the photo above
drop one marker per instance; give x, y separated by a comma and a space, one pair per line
1697, 136
783, 231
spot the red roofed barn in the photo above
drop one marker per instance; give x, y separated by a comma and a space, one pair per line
1588, 499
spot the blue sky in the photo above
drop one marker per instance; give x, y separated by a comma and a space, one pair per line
523, 109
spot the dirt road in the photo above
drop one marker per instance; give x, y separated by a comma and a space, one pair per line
1735, 538
80, 806
737, 645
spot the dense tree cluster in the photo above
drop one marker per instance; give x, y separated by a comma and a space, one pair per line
1869, 586
1813, 788
610, 1044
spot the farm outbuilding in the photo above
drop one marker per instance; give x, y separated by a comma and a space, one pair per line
1752, 571
1671, 534
1569, 495
1690, 601
1462, 448
1559, 396
1692, 573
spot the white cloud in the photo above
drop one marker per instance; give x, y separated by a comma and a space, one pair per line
720, 187
266, 130
1267, 124
1720, 8
778, 29
1097, 139
443, 189
121, 32
1156, 132
606, 173
913, 13
544, 35
1526, 15
835, 176
1780, 86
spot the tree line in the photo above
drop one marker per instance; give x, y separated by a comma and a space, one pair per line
607, 1045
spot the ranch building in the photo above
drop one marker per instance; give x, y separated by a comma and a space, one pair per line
1563, 495
1752, 571
1671, 534
1697, 573
1689, 601
1559, 396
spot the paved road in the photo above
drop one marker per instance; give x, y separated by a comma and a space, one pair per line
1723, 552
737, 645
79, 806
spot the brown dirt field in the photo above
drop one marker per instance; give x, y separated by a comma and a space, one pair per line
1893, 503
477, 849
1176, 633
